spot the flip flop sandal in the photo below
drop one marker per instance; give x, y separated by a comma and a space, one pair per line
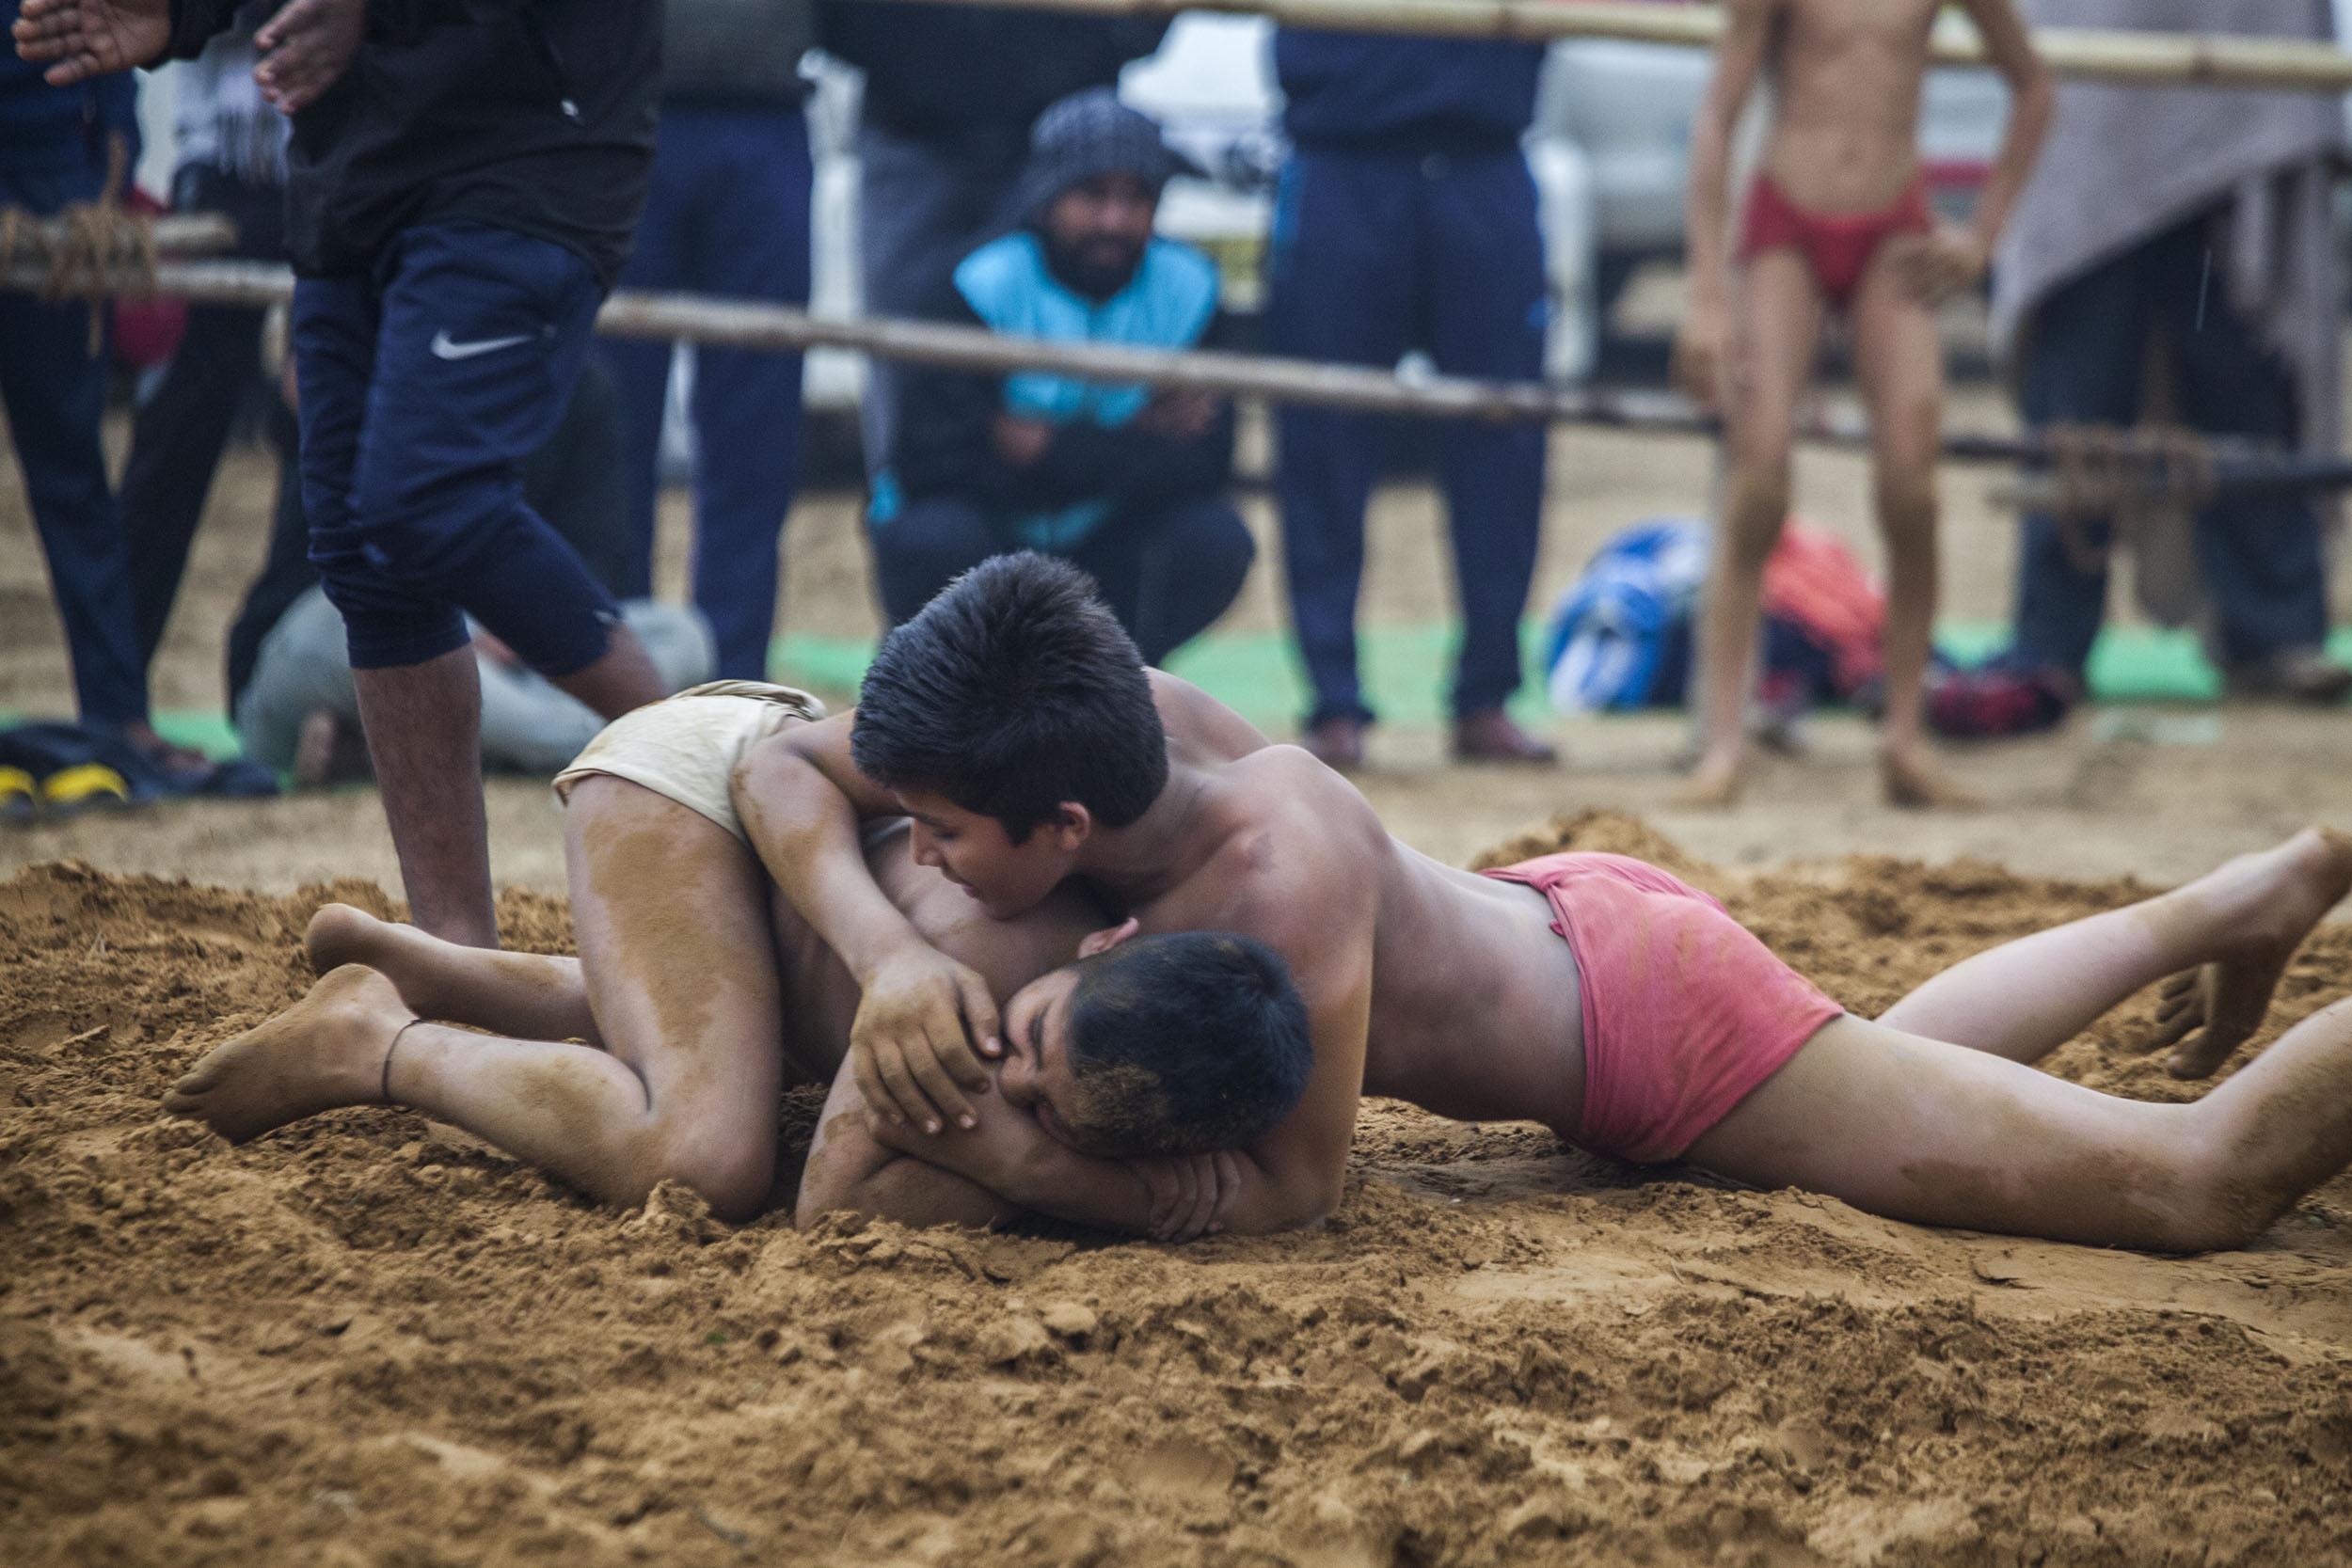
70, 790
19, 797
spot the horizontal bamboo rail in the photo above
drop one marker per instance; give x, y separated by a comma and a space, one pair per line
2080, 54
755, 323
2234, 465
175, 233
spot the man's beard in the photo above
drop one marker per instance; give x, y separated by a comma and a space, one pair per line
1097, 268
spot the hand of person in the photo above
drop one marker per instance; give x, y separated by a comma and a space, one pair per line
81, 39
1018, 442
911, 1043
305, 47
1184, 412
1190, 1192
1934, 267
1700, 349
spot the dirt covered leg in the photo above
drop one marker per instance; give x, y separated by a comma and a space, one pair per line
530, 995
2206, 1013
2242, 921
1923, 1130
677, 955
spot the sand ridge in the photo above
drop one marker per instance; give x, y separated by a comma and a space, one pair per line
368, 1338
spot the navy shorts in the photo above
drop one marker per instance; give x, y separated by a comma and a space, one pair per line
423, 386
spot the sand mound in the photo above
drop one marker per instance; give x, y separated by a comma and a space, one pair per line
368, 1338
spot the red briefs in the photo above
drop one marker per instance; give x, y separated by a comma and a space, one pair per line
1837, 245
1685, 1011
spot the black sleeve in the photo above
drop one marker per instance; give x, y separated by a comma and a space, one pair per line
194, 23
942, 445
1130, 463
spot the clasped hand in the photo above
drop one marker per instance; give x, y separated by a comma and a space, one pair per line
911, 1045
1190, 1192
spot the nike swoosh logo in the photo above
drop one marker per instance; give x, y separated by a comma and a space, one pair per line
445, 349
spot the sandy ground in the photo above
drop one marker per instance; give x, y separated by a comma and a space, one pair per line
368, 1338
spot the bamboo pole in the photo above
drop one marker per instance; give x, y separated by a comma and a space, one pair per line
754, 324
2235, 464
180, 234
2078, 54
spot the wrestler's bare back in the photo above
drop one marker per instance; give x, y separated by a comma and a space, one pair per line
1846, 76
1277, 827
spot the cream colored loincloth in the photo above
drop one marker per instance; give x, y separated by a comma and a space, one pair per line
686, 747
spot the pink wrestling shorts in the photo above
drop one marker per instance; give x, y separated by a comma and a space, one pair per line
1685, 1011
1837, 246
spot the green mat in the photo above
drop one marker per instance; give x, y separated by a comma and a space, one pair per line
1256, 673
209, 733
1405, 668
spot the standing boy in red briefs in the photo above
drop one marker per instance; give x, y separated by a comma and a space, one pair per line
1837, 217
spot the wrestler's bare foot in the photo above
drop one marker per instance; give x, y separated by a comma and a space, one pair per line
2284, 893
339, 934
1912, 780
326, 1050
1713, 785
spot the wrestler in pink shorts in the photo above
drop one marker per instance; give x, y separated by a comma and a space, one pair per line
1685, 1011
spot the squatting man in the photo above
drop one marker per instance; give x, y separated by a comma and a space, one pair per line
1019, 810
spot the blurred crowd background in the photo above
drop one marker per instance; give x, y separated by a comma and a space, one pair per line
1481, 209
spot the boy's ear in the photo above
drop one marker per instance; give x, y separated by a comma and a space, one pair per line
1071, 825
1106, 938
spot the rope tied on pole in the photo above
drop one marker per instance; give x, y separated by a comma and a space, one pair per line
93, 249
2134, 476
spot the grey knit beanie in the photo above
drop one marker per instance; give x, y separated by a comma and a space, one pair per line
1091, 133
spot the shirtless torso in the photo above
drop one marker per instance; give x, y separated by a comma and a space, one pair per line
1846, 78
1246, 837
1836, 220
1276, 825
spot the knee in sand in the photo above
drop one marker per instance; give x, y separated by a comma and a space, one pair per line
734, 1178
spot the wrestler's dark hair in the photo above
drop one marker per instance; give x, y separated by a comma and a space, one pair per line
1185, 1043
1014, 689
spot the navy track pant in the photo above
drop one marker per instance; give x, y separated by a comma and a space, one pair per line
1373, 254
55, 393
423, 388
2260, 556
727, 215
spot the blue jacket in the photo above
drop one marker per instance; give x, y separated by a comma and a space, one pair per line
1098, 459
47, 130
1382, 92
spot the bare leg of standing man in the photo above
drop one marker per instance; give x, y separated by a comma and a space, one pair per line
424, 731
422, 389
